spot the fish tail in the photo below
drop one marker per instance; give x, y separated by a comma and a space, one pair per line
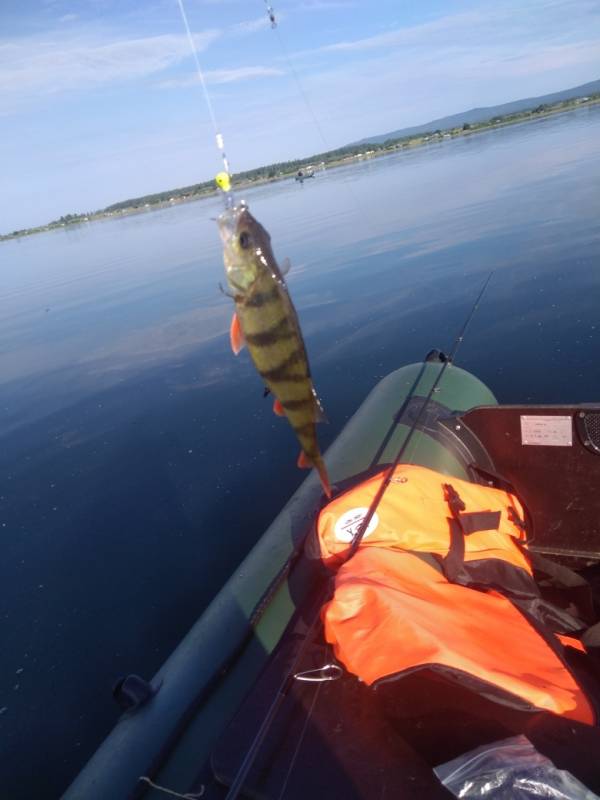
306, 462
322, 470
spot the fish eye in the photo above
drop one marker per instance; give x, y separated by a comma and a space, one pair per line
244, 240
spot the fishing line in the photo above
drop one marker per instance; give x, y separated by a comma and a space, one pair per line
295, 75
360, 206
300, 741
171, 792
250, 757
303, 94
254, 748
223, 181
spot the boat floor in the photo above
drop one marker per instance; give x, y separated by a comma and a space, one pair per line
343, 739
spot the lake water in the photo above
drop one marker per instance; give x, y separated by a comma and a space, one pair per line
139, 461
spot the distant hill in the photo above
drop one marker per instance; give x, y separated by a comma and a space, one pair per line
485, 114
478, 118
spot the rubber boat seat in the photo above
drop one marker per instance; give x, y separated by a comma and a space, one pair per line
441, 720
328, 740
343, 739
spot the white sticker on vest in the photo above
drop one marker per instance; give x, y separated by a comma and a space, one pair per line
553, 431
348, 525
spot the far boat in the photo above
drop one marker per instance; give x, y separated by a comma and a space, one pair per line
277, 693
302, 175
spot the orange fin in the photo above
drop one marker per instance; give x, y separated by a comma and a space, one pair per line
320, 467
303, 461
278, 408
236, 337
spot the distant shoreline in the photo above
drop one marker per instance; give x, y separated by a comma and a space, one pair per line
278, 172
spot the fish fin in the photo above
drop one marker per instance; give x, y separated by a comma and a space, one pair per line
225, 292
278, 408
303, 461
286, 266
236, 337
321, 469
320, 415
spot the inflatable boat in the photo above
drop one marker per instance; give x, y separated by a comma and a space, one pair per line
343, 659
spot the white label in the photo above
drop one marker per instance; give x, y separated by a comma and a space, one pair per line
550, 431
348, 525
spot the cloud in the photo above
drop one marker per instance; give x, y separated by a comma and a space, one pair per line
251, 26
49, 64
360, 79
60, 61
326, 5
512, 23
493, 42
217, 76
440, 31
487, 55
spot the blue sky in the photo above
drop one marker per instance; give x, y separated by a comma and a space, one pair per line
99, 100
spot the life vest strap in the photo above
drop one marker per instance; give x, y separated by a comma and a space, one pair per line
463, 524
493, 573
471, 521
499, 482
569, 587
454, 561
475, 521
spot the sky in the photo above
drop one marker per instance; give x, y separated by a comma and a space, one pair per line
100, 100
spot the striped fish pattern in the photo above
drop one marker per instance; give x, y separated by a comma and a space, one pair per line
265, 320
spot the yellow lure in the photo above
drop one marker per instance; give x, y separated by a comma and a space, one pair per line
223, 181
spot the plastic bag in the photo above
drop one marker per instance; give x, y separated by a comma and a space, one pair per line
511, 769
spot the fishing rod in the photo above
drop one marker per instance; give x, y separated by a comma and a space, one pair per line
252, 752
271, 14
359, 535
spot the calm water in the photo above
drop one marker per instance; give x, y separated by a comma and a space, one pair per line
139, 461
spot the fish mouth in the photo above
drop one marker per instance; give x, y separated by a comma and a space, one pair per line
228, 221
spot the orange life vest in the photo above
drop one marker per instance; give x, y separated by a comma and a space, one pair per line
407, 598
413, 515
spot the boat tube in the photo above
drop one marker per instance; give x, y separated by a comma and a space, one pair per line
221, 719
